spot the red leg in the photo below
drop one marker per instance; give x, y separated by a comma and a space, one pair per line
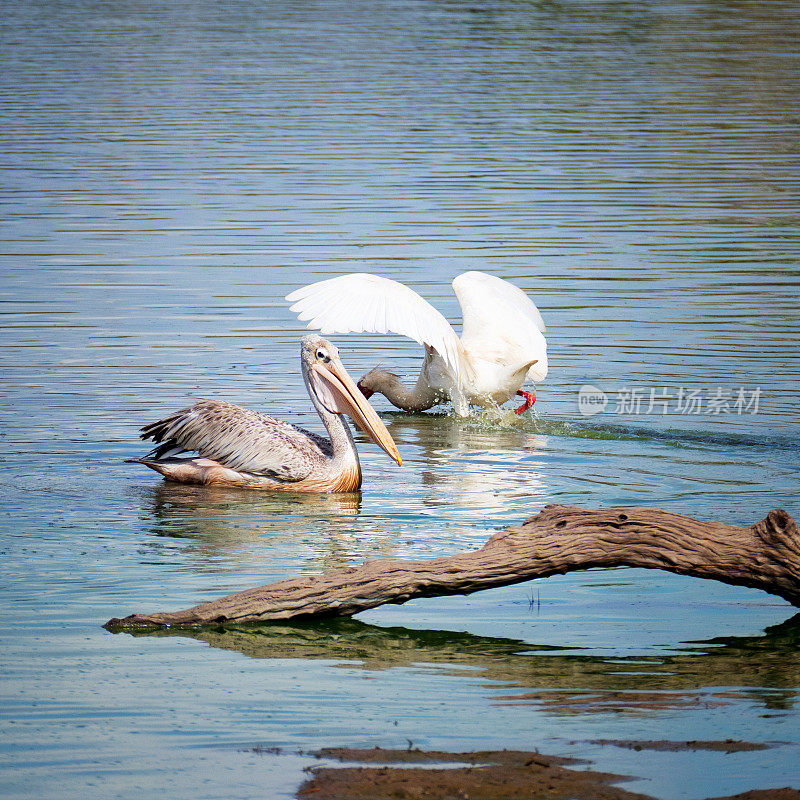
530, 399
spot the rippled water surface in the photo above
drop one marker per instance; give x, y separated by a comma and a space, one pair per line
171, 171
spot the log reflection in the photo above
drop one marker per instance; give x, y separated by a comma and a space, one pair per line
764, 670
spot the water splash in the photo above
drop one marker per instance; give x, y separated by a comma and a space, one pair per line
505, 420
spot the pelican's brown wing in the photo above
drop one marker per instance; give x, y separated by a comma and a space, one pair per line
240, 439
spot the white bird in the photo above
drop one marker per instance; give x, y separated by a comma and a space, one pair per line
239, 447
501, 346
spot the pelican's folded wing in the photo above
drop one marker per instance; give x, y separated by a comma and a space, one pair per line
501, 321
362, 302
239, 439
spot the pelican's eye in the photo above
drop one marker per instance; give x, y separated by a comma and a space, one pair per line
322, 356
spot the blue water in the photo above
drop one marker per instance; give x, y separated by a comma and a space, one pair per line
170, 172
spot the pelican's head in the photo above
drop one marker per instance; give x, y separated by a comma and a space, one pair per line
328, 382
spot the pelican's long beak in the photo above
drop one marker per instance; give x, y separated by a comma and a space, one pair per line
340, 395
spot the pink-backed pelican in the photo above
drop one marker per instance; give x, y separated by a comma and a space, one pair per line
234, 446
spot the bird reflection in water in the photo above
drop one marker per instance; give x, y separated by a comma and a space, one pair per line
229, 526
477, 464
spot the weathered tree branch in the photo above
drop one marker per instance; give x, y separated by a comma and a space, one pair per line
765, 555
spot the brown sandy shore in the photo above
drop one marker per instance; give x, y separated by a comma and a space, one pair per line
488, 775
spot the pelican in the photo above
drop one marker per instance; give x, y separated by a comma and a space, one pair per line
501, 346
238, 447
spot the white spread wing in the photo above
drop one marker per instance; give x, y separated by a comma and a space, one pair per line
362, 302
501, 322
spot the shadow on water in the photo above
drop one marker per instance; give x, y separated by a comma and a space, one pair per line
762, 670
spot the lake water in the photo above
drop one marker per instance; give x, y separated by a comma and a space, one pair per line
171, 171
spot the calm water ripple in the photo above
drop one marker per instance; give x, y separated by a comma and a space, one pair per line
171, 171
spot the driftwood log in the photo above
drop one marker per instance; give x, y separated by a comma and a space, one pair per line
765, 555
